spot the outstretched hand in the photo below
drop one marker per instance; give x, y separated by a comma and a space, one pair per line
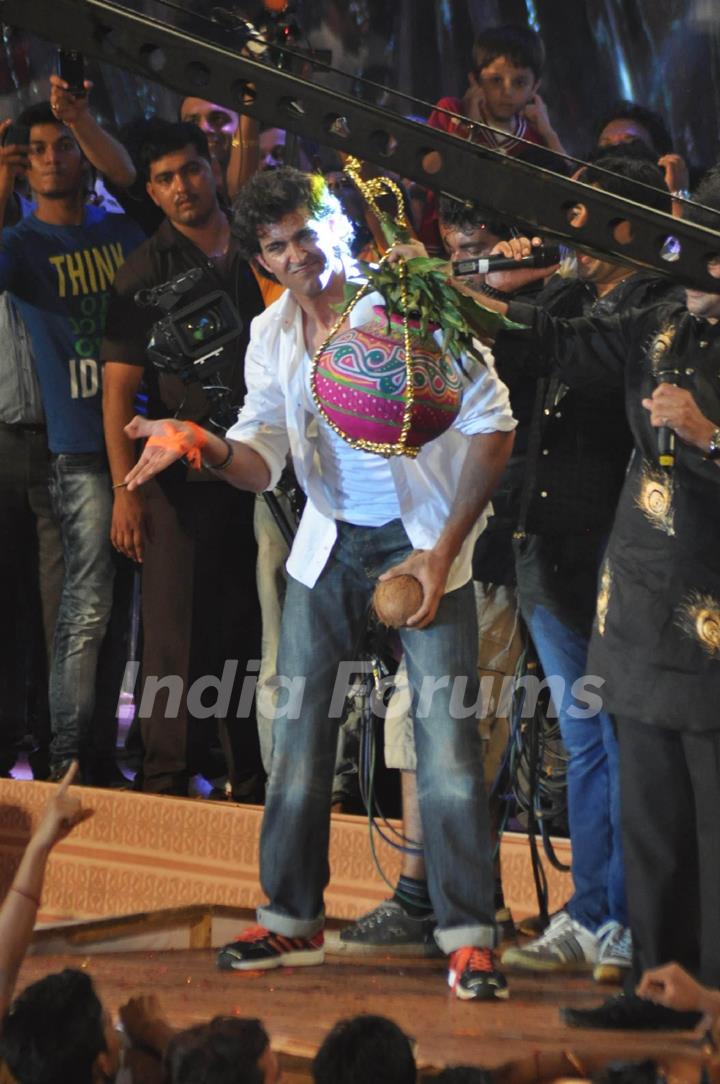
63, 812
168, 441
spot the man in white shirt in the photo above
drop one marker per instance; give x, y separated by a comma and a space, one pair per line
365, 516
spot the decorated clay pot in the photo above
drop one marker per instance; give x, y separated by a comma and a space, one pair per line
360, 385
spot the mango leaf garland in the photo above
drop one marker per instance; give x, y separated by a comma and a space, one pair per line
434, 302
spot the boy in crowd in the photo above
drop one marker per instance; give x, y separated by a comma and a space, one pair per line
502, 98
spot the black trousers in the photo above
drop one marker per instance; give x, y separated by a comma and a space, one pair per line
670, 796
199, 609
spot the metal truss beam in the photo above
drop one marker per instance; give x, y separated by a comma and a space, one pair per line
200, 59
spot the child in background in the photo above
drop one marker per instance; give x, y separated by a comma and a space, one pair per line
502, 93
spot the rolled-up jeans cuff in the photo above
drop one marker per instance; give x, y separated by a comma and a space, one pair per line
462, 936
289, 926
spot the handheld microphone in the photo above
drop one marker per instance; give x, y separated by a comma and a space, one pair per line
666, 435
544, 256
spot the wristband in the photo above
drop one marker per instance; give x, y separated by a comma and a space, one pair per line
713, 448
185, 444
499, 295
226, 461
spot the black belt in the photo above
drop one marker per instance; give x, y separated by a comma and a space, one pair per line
24, 427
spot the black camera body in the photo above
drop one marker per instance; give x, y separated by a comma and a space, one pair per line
190, 341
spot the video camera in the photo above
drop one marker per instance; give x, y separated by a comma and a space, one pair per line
190, 342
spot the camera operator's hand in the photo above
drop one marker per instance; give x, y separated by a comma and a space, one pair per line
128, 523
66, 108
168, 441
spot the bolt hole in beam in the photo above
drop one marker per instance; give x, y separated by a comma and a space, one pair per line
621, 230
153, 57
576, 214
670, 249
431, 161
109, 40
384, 143
244, 92
293, 106
337, 125
198, 75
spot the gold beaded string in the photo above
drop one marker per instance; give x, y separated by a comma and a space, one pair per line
372, 189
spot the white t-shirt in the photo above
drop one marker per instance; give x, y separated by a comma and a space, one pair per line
359, 485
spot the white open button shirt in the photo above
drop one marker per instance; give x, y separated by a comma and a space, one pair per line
279, 416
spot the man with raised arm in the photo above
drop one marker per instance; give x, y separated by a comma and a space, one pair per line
58, 264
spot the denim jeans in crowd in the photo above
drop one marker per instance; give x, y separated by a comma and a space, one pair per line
321, 628
82, 501
593, 779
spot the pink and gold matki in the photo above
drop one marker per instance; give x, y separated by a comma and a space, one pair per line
360, 383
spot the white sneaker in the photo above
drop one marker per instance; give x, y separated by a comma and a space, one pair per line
615, 954
564, 946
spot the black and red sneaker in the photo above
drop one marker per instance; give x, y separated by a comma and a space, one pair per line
473, 975
260, 949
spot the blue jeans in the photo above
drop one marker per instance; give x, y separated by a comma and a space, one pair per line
593, 779
321, 628
82, 502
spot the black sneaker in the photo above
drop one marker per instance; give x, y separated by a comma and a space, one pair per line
473, 975
391, 928
631, 1013
259, 949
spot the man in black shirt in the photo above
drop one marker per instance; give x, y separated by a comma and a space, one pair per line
192, 534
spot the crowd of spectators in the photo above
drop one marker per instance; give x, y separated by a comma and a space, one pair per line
58, 1030
79, 547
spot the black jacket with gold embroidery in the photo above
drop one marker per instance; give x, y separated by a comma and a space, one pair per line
656, 639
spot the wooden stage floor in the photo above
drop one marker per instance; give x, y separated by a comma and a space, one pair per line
298, 1006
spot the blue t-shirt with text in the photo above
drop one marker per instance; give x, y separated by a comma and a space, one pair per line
60, 279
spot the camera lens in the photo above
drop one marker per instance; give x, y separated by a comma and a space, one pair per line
203, 326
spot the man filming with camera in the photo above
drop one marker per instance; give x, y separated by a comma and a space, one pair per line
193, 535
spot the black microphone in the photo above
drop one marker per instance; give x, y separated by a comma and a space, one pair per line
543, 256
666, 435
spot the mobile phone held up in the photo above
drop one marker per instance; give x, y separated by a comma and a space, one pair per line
71, 69
16, 135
